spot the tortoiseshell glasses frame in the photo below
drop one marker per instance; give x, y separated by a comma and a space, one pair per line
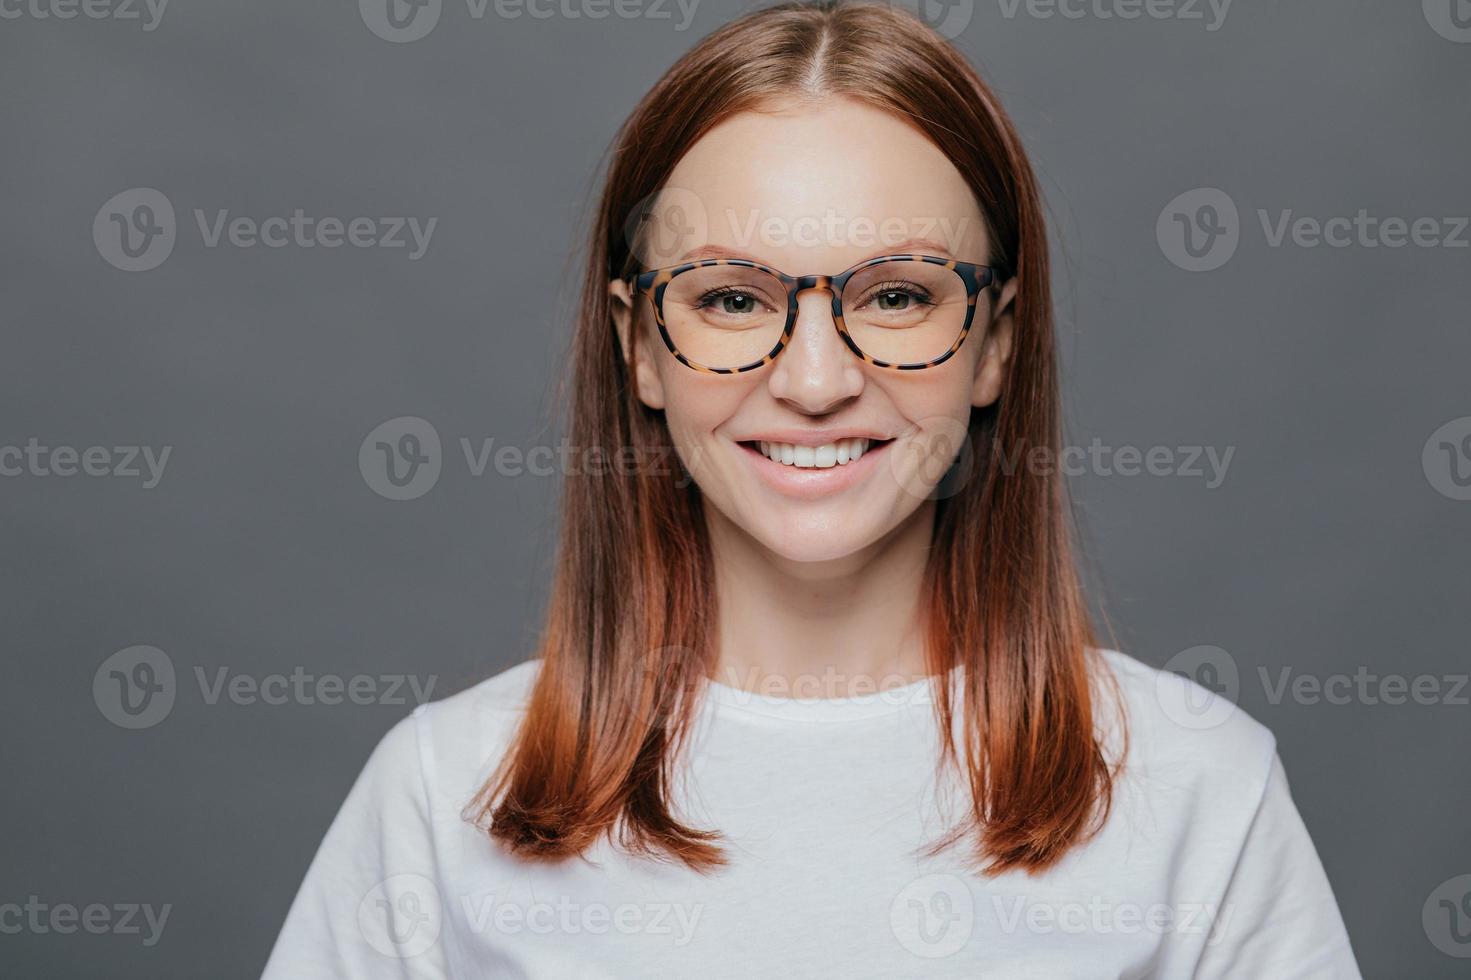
653, 282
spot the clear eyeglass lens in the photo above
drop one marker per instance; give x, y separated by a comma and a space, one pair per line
725, 316
905, 312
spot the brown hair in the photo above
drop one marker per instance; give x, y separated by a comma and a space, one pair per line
627, 642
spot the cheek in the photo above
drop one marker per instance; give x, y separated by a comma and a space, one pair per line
695, 405
933, 396
937, 414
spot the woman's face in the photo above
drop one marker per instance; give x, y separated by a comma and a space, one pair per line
816, 190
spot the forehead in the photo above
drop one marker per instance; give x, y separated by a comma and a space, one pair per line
830, 183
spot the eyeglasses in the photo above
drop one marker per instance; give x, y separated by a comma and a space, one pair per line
725, 316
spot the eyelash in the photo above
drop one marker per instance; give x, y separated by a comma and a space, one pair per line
916, 293
720, 291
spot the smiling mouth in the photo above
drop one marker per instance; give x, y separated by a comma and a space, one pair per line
833, 454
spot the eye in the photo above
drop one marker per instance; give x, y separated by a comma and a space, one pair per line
730, 300
893, 299
898, 297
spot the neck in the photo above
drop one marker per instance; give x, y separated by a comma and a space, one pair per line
838, 628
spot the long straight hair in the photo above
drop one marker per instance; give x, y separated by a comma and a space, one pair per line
628, 640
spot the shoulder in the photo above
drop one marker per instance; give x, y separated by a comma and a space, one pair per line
1174, 735
501, 694
400, 826
444, 750
461, 738
479, 716
1203, 817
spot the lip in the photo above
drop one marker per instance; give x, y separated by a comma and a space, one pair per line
814, 437
812, 483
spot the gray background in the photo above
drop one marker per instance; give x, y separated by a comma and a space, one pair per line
263, 549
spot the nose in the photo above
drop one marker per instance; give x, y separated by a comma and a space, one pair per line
815, 374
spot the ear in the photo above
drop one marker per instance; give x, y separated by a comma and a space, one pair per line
996, 354
634, 344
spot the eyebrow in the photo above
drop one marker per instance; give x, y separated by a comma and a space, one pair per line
909, 246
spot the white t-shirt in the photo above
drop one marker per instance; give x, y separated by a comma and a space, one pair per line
1204, 868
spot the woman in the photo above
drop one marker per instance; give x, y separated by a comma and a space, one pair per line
820, 698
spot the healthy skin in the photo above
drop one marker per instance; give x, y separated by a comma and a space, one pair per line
827, 582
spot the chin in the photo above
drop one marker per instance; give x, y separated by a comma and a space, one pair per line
818, 537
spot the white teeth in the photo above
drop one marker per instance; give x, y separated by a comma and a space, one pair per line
815, 457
